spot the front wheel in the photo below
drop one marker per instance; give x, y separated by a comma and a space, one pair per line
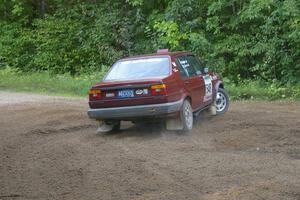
187, 116
221, 102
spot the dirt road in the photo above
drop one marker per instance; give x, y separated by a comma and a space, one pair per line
49, 150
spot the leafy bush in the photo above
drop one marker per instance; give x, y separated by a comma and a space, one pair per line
242, 40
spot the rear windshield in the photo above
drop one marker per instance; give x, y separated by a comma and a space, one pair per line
139, 69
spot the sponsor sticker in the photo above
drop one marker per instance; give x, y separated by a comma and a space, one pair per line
139, 92
110, 94
184, 63
208, 88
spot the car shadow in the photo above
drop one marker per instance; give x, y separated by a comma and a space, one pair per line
143, 130
153, 130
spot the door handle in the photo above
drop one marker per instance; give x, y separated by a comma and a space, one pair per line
186, 81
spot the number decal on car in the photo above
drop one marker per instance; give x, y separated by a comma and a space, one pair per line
208, 88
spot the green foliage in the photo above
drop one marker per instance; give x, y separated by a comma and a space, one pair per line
16, 46
257, 38
135, 2
168, 34
243, 40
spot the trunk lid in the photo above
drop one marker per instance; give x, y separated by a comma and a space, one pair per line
126, 93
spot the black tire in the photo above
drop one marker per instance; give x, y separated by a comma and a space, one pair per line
222, 102
186, 116
116, 126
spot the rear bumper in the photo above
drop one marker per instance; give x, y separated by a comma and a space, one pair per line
151, 110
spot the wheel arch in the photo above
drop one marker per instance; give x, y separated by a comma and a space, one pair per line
186, 97
189, 98
219, 84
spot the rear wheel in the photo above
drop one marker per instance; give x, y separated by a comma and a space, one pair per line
222, 102
116, 126
187, 116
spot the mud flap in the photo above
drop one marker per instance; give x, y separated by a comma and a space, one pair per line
174, 125
104, 127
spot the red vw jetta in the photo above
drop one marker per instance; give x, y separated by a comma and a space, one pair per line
172, 86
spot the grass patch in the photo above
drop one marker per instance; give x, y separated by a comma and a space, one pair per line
46, 83
67, 85
258, 90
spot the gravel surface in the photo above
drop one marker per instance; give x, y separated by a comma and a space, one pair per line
49, 150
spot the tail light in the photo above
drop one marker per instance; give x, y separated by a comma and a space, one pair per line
94, 94
158, 90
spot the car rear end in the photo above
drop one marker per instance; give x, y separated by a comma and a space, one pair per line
134, 89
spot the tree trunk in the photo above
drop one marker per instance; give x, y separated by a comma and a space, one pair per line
42, 8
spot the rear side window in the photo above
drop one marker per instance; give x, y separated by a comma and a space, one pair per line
185, 68
195, 63
139, 69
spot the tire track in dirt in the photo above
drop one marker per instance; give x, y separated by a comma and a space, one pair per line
48, 131
49, 150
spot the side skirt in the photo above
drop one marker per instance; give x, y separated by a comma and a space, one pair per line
197, 112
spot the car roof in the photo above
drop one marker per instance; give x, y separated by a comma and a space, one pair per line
163, 53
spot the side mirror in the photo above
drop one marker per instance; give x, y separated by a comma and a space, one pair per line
205, 70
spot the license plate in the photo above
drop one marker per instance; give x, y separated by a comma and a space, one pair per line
125, 93
110, 94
